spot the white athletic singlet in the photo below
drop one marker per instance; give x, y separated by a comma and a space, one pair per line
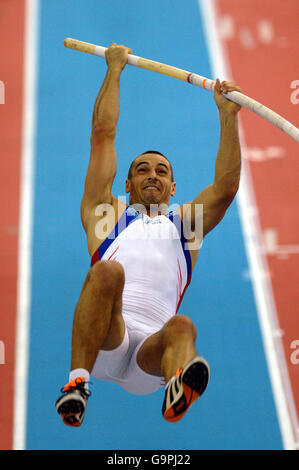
156, 262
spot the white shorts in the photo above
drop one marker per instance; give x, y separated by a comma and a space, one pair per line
120, 365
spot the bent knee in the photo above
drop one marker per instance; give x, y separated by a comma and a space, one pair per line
181, 324
107, 275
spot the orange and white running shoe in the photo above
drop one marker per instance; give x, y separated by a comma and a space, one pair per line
72, 404
184, 388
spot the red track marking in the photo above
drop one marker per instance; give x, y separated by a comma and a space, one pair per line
261, 39
11, 73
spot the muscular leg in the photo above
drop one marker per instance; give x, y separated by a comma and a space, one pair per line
98, 323
172, 348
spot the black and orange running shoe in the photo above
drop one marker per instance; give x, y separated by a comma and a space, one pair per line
184, 388
72, 404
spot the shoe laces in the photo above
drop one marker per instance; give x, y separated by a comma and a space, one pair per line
76, 384
174, 377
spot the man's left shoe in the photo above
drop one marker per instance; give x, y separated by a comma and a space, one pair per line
184, 388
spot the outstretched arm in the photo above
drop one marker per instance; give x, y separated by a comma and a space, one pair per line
102, 164
217, 197
228, 162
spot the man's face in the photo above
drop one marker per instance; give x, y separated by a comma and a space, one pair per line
151, 181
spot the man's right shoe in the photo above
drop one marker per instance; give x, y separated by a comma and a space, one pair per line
72, 404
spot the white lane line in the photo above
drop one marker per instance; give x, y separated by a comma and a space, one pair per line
25, 223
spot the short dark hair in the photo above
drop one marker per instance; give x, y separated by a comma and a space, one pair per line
144, 153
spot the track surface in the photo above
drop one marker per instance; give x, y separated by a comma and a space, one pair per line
238, 410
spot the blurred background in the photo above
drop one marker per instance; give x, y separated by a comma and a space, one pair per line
243, 297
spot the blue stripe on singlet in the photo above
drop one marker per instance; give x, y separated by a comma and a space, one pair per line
175, 218
124, 221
